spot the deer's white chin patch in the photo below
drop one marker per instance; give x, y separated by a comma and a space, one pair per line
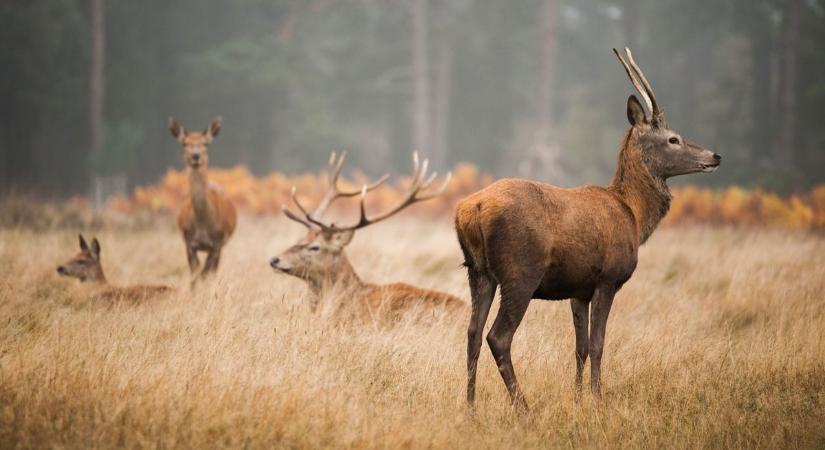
709, 169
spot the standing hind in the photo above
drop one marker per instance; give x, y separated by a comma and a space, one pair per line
207, 218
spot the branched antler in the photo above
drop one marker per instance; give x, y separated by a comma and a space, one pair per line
420, 182
333, 191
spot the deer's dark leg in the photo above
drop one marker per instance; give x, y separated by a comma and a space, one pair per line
514, 302
482, 290
581, 313
192, 257
600, 309
212, 261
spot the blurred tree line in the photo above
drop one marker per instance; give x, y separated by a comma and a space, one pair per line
527, 88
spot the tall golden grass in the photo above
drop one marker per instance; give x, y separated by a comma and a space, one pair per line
691, 205
717, 341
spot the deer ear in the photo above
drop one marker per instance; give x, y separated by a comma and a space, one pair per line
635, 112
83, 245
95, 248
340, 239
213, 128
178, 132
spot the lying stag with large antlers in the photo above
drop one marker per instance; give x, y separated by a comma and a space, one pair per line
541, 241
319, 259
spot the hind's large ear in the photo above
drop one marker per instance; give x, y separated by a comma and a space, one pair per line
213, 128
95, 248
178, 132
83, 246
635, 112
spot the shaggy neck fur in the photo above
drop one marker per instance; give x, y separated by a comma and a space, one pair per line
345, 278
199, 192
646, 194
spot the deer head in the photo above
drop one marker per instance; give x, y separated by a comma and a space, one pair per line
195, 143
663, 151
84, 266
319, 256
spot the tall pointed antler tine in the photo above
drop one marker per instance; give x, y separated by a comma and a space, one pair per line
294, 195
412, 196
428, 181
292, 216
656, 111
306, 214
437, 191
336, 172
333, 191
635, 82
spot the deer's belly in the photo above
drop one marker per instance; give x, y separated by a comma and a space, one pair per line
562, 281
560, 285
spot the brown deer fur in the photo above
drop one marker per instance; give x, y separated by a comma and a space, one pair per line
207, 218
319, 258
538, 241
86, 267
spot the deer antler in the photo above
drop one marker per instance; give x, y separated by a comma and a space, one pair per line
420, 182
333, 192
637, 77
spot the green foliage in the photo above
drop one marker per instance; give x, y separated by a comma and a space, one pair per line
297, 79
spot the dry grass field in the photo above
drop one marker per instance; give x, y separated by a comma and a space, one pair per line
717, 341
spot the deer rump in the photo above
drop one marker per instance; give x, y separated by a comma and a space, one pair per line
521, 231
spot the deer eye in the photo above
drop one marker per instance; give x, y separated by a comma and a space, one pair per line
674, 140
314, 248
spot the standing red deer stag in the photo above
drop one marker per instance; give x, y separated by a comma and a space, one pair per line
207, 218
535, 240
319, 258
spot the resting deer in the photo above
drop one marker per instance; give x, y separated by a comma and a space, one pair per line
540, 241
85, 266
319, 258
207, 218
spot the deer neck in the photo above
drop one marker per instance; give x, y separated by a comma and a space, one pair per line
199, 195
646, 194
344, 279
97, 278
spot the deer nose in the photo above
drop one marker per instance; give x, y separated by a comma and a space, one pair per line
61, 270
196, 157
717, 157
274, 262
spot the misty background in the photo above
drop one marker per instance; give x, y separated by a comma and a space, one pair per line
520, 88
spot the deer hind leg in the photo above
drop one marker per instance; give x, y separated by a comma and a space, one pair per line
581, 313
482, 290
601, 303
514, 304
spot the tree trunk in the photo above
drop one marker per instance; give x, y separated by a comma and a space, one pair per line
548, 65
785, 142
96, 76
442, 90
421, 74
544, 155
